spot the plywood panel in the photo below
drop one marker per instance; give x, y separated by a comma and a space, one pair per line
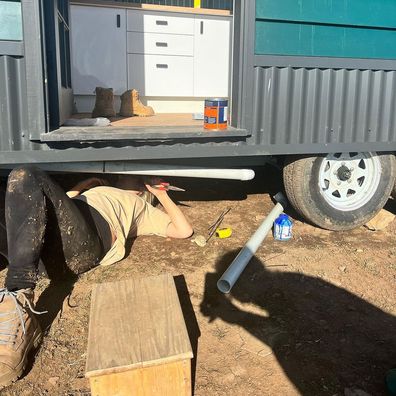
172, 379
134, 324
161, 323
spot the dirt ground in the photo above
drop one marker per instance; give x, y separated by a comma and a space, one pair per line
312, 316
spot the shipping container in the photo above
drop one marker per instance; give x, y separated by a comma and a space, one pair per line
311, 87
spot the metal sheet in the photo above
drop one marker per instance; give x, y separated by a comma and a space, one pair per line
323, 106
13, 104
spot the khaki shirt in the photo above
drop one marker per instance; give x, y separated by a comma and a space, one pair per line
128, 216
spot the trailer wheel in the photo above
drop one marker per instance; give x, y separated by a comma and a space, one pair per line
339, 191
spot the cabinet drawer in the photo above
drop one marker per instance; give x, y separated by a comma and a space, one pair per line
160, 75
160, 44
138, 21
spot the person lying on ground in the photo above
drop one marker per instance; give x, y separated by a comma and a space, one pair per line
71, 233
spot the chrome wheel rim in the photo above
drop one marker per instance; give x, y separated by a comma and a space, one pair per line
348, 181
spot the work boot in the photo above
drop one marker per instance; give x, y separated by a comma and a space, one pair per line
126, 109
19, 333
104, 103
138, 107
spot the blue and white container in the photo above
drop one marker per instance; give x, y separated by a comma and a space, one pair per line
283, 228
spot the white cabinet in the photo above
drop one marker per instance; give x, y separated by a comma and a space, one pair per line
162, 54
211, 57
99, 54
194, 49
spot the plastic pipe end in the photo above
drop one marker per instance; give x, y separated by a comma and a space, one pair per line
224, 286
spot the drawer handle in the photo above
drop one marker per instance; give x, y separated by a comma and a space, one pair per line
118, 20
162, 66
163, 23
159, 44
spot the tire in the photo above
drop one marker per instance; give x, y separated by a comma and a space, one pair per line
339, 191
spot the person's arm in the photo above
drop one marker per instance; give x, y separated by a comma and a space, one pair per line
85, 185
179, 226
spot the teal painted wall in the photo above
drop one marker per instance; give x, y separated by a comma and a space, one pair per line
10, 20
333, 28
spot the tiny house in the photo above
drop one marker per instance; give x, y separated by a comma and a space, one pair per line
310, 84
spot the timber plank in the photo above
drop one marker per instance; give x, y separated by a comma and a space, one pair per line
161, 322
118, 133
169, 379
135, 323
114, 339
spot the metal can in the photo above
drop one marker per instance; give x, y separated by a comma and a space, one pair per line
216, 114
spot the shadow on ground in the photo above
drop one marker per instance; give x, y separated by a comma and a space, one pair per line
325, 338
190, 320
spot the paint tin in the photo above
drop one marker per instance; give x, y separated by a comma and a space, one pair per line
216, 114
283, 228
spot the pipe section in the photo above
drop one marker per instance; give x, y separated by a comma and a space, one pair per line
231, 275
230, 174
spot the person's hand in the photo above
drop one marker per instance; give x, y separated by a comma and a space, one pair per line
156, 191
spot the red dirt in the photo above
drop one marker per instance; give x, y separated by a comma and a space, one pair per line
312, 316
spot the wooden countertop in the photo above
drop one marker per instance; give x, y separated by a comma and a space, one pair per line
154, 7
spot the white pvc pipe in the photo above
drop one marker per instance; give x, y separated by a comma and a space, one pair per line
231, 275
152, 170
230, 174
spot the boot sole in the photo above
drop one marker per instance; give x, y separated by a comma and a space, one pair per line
9, 378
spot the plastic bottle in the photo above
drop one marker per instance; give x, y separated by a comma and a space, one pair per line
283, 228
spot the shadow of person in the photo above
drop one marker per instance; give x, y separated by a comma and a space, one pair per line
325, 338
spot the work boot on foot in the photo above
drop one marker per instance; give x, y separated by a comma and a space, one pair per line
19, 333
138, 107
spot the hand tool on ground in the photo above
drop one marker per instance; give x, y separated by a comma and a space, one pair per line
166, 186
216, 224
219, 219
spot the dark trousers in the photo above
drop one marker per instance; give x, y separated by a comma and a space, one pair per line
43, 222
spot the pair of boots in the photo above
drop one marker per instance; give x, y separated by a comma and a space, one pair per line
130, 104
19, 333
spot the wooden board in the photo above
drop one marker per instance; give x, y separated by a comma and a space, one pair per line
165, 133
154, 7
134, 324
165, 380
162, 127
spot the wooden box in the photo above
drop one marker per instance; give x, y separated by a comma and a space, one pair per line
138, 342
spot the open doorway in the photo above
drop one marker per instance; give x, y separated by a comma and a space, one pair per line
174, 56
57, 42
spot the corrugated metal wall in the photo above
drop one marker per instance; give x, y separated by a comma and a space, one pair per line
304, 106
216, 4
13, 102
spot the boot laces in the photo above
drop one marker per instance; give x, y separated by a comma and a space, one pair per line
7, 336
